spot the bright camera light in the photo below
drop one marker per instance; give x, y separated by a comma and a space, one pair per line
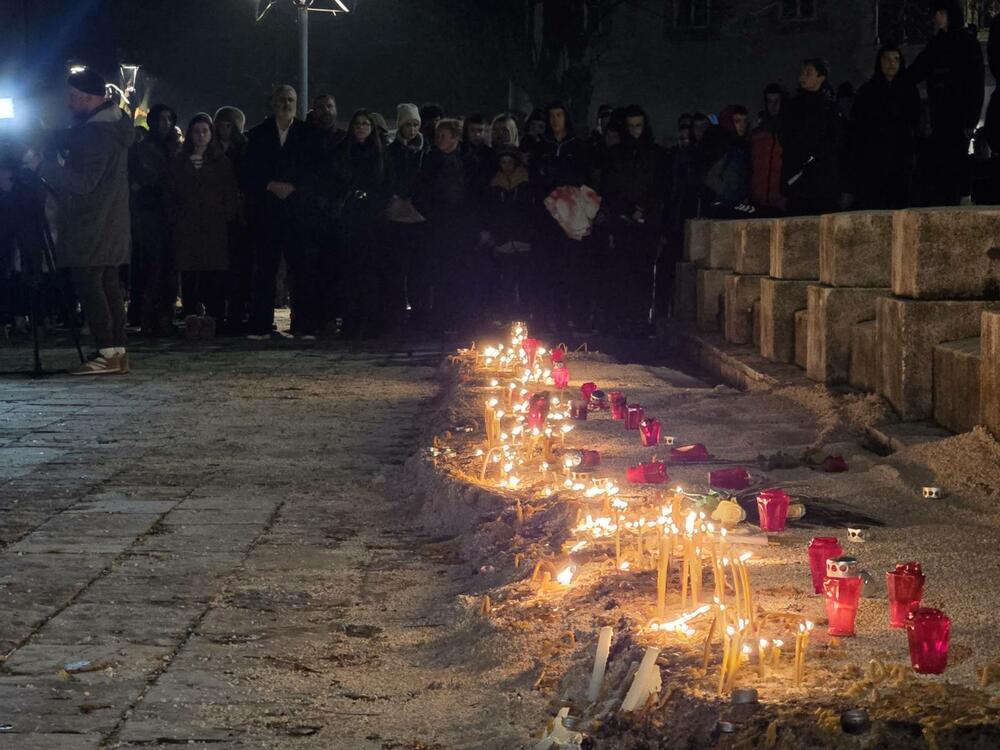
6, 108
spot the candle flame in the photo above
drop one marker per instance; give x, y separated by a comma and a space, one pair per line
746, 556
565, 576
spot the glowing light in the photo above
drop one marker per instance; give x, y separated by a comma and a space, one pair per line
565, 576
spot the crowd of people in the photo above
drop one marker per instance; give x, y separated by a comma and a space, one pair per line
442, 223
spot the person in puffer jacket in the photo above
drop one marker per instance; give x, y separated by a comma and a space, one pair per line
511, 205
766, 155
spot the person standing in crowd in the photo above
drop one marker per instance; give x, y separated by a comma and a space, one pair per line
882, 135
229, 125
444, 197
633, 186
153, 288
362, 187
766, 155
278, 161
534, 131
405, 226
952, 66
430, 115
510, 210
812, 141
728, 180
478, 154
324, 108
203, 203
93, 194
503, 131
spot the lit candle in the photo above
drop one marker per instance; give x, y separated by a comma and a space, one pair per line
600, 663
649, 431
560, 376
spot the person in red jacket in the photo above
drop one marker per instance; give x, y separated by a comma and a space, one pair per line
765, 150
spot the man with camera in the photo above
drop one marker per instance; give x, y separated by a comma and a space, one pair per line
90, 179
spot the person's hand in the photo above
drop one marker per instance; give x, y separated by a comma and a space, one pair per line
280, 189
31, 160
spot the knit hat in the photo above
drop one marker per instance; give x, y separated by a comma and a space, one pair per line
232, 115
88, 81
407, 113
379, 122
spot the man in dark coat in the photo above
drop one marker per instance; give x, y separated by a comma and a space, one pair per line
812, 141
882, 134
94, 236
952, 66
278, 163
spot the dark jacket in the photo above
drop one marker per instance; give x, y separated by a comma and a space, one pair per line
93, 191
405, 160
558, 163
266, 159
633, 177
511, 208
445, 194
728, 179
201, 203
362, 182
148, 167
883, 137
952, 66
812, 136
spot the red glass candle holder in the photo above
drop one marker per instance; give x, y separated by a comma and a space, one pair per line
905, 587
578, 410
557, 355
560, 376
822, 548
530, 347
538, 410
618, 404
587, 390
842, 596
735, 478
654, 472
576, 459
649, 431
695, 452
928, 632
634, 414
772, 507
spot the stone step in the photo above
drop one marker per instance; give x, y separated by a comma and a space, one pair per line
946, 253
957, 383
863, 368
753, 247
833, 311
908, 331
741, 293
855, 249
779, 300
795, 248
756, 325
696, 237
801, 338
723, 237
989, 387
685, 301
711, 290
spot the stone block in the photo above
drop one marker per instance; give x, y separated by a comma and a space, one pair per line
795, 248
956, 384
696, 239
741, 294
989, 386
753, 247
685, 301
779, 301
908, 331
722, 239
801, 338
711, 291
756, 324
855, 249
863, 370
947, 253
833, 312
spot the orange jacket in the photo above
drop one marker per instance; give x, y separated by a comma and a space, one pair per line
765, 182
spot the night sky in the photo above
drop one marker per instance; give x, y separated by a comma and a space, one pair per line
200, 54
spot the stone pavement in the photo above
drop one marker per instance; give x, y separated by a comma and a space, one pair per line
206, 552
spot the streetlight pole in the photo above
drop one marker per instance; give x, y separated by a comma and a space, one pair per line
303, 13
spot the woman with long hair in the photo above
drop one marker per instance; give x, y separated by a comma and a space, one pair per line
362, 188
203, 200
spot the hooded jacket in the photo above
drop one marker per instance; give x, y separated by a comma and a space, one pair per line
634, 176
811, 137
728, 179
92, 191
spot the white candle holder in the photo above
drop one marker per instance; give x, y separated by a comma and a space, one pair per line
932, 493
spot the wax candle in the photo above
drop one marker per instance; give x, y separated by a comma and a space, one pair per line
928, 632
649, 431
645, 681
600, 663
634, 414
821, 548
905, 587
772, 507
618, 404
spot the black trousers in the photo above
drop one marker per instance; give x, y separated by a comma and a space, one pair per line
100, 292
205, 290
274, 237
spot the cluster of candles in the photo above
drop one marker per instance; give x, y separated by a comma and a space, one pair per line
526, 431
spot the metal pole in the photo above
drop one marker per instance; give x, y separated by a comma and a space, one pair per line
303, 60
